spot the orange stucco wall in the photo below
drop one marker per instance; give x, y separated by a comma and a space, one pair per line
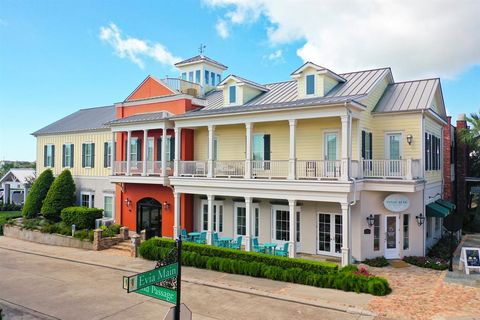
149, 88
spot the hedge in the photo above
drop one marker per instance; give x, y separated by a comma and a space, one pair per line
81, 217
313, 273
37, 194
60, 195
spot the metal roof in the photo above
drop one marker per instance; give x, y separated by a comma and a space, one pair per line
199, 58
408, 96
250, 82
82, 120
142, 117
21, 174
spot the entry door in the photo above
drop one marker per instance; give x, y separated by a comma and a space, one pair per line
393, 152
217, 216
329, 234
392, 237
150, 220
331, 152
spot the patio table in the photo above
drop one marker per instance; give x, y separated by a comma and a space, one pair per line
270, 247
226, 241
194, 235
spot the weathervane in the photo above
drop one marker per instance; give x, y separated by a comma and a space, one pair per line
202, 47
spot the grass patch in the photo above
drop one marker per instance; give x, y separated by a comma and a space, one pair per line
7, 215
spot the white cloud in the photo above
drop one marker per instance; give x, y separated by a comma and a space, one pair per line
135, 49
276, 56
416, 38
222, 29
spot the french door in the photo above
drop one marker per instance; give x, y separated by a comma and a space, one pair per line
330, 236
331, 154
217, 216
392, 237
393, 152
240, 222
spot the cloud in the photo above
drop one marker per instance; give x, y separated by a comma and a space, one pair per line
416, 38
135, 49
222, 29
276, 56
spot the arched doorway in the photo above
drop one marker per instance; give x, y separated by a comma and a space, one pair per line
149, 217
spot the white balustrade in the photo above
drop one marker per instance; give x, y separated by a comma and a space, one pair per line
384, 169
231, 168
193, 168
120, 167
318, 169
271, 169
136, 168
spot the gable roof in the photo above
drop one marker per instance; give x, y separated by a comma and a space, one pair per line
200, 58
150, 87
239, 80
315, 66
21, 174
90, 119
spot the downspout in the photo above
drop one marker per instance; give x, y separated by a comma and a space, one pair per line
422, 163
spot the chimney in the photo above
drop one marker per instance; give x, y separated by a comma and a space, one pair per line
461, 167
447, 159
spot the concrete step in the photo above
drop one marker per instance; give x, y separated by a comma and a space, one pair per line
122, 246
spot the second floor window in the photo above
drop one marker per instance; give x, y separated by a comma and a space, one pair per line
88, 155
49, 155
213, 78
232, 92
367, 153
432, 152
67, 155
310, 84
261, 149
170, 148
107, 154
184, 76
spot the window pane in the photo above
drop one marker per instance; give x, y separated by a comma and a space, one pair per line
184, 76
205, 217
376, 232
190, 76
257, 218
197, 76
207, 76
258, 147
108, 207
311, 84
282, 224
241, 221
213, 78
150, 149
405, 231
233, 94
133, 149
298, 227
219, 78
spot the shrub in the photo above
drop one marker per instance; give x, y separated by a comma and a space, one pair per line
37, 194
60, 195
81, 217
427, 262
5, 218
110, 231
441, 249
84, 234
378, 262
313, 273
10, 207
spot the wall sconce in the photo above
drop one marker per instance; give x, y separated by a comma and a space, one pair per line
420, 219
409, 139
128, 202
166, 205
370, 220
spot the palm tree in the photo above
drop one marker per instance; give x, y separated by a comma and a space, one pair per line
471, 135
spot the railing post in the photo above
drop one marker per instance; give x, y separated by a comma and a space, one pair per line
293, 156
409, 169
248, 151
129, 146
145, 143
178, 138
211, 133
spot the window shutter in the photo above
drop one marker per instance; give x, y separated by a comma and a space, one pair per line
159, 149
370, 147
105, 154
266, 151
363, 144
71, 155
434, 153
172, 148
83, 155
92, 164
63, 155
53, 156
45, 156
426, 151
139, 150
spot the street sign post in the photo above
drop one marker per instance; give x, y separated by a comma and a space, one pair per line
185, 313
142, 280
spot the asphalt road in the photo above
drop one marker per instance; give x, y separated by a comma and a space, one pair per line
38, 287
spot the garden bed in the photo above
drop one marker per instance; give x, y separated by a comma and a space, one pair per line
5, 216
313, 273
437, 258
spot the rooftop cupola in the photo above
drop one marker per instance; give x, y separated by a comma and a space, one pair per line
314, 80
201, 70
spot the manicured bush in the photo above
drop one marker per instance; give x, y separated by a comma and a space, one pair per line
84, 234
378, 262
60, 195
37, 194
81, 217
427, 262
110, 231
313, 273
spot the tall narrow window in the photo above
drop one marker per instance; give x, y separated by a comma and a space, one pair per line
241, 221
107, 154
197, 76
215, 148
297, 233
207, 76
366, 145
282, 225
49, 155
219, 78
190, 76
406, 236
184, 76
88, 155
310, 83
376, 232
108, 206
256, 219
150, 143
67, 159
213, 78
205, 216
232, 90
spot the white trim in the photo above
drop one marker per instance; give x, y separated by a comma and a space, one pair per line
216, 228
110, 195
325, 132
273, 229
236, 205
387, 144
391, 253
89, 194
332, 234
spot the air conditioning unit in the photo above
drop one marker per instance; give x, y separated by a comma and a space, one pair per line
103, 222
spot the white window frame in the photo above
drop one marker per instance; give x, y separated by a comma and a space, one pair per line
216, 228
236, 94
337, 147
89, 194
49, 155
109, 153
68, 146
150, 148
109, 195
273, 210
255, 206
387, 143
367, 149
314, 85
88, 145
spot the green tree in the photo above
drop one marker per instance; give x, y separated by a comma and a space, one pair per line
37, 194
61, 195
471, 135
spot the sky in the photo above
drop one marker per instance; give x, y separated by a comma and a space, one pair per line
60, 56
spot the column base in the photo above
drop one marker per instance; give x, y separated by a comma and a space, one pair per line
345, 257
292, 251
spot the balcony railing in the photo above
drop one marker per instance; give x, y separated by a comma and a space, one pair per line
318, 169
184, 86
391, 169
154, 168
230, 169
272, 169
193, 168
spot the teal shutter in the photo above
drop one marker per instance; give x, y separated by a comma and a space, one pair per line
266, 151
53, 156
139, 150
83, 155
45, 156
159, 149
92, 164
105, 154
363, 143
64, 147
71, 155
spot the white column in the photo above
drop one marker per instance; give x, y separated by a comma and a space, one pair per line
359, 149
211, 133
164, 151
114, 151
409, 174
346, 253
293, 155
210, 219
345, 145
178, 139
129, 146
145, 138
292, 250
176, 216
248, 233
248, 150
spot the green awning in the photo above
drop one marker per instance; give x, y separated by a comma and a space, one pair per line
446, 204
436, 210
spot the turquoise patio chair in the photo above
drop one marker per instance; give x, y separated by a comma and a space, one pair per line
203, 238
237, 244
257, 247
185, 237
282, 252
216, 241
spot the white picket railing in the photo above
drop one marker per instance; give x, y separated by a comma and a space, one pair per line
318, 169
136, 168
271, 169
120, 167
193, 168
231, 168
384, 169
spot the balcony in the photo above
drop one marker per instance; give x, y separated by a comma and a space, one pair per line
184, 86
153, 168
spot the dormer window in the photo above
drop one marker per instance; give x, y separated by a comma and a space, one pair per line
310, 84
232, 94
207, 76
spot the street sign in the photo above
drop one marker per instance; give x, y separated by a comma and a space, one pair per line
142, 280
158, 292
185, 313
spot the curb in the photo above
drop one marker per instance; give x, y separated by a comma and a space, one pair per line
319, 304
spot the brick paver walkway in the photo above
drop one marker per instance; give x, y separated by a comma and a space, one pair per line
420, 293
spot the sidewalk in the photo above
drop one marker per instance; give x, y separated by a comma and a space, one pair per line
324, 298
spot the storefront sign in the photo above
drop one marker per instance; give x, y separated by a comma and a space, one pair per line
471, 259
396, 202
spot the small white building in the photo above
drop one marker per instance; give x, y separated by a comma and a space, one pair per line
14, 185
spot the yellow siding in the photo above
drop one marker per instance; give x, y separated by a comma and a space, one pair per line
201, 143
310, 134
77, 139
230, 141
249, 94
279, 138
329, 84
